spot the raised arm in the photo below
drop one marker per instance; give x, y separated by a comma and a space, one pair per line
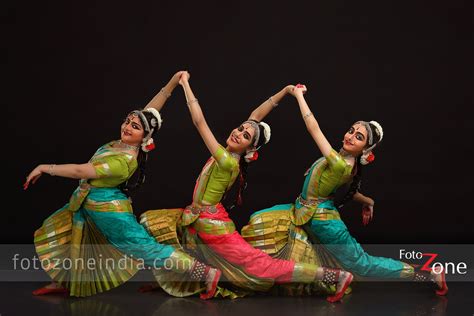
310, 121
160, 98
268, 105
197, 115
74, 171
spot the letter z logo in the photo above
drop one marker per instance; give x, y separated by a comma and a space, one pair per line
426, 266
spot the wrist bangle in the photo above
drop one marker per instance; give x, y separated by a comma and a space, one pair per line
50, 170
166, 94
274, 104
307, 115
192, 101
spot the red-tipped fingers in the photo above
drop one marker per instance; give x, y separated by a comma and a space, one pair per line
302, 87
25, 185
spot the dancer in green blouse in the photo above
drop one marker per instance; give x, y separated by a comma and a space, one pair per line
313, 216
94, 242
206, 229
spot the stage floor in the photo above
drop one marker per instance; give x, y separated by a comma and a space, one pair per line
368, 298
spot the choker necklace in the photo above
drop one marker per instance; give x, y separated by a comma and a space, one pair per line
347, 157
127, 146
235, 155
344, 153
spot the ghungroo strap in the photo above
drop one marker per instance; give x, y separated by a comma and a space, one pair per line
199, 271
422, 277
331, 276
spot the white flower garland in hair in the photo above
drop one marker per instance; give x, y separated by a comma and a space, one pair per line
157, 115
267, 132
367, 155
379, 128
252, 155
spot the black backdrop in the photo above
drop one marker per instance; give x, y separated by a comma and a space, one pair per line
75, 69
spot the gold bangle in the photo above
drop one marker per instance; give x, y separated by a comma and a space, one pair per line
192, 101
166, 94
274, 104
307, 115
50, 170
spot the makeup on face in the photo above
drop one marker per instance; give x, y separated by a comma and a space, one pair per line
132, 130
245, 132
240, 138
355, 139
134, 121
355, 130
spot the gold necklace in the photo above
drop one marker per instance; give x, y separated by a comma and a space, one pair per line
127, 146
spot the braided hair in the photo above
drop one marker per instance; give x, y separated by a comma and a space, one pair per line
242, 177
142, 158
355, 185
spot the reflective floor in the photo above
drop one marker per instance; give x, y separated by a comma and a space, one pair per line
369, 298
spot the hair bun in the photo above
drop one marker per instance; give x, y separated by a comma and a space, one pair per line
157, 116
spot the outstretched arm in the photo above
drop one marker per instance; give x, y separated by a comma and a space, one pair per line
75, 171
268, 105
197, 115
160, 98
310, 121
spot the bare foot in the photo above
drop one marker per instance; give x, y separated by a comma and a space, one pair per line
345, 279
50, 289
212, 279
439, 278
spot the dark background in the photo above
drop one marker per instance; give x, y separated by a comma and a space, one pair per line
73, 70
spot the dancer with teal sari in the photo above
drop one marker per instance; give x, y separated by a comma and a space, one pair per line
314, 217
94, 243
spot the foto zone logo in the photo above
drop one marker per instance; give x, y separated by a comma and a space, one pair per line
436, 267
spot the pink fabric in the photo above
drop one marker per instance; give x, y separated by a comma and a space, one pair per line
220, 215
233, 248
237, 251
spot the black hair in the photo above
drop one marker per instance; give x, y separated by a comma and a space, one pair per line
142, 158
357, 179
242, 177
261, 139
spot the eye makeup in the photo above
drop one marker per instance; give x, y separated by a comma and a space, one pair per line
135, 125
247, 135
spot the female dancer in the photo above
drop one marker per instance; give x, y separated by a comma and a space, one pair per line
94, 242
314, 211
207, 227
